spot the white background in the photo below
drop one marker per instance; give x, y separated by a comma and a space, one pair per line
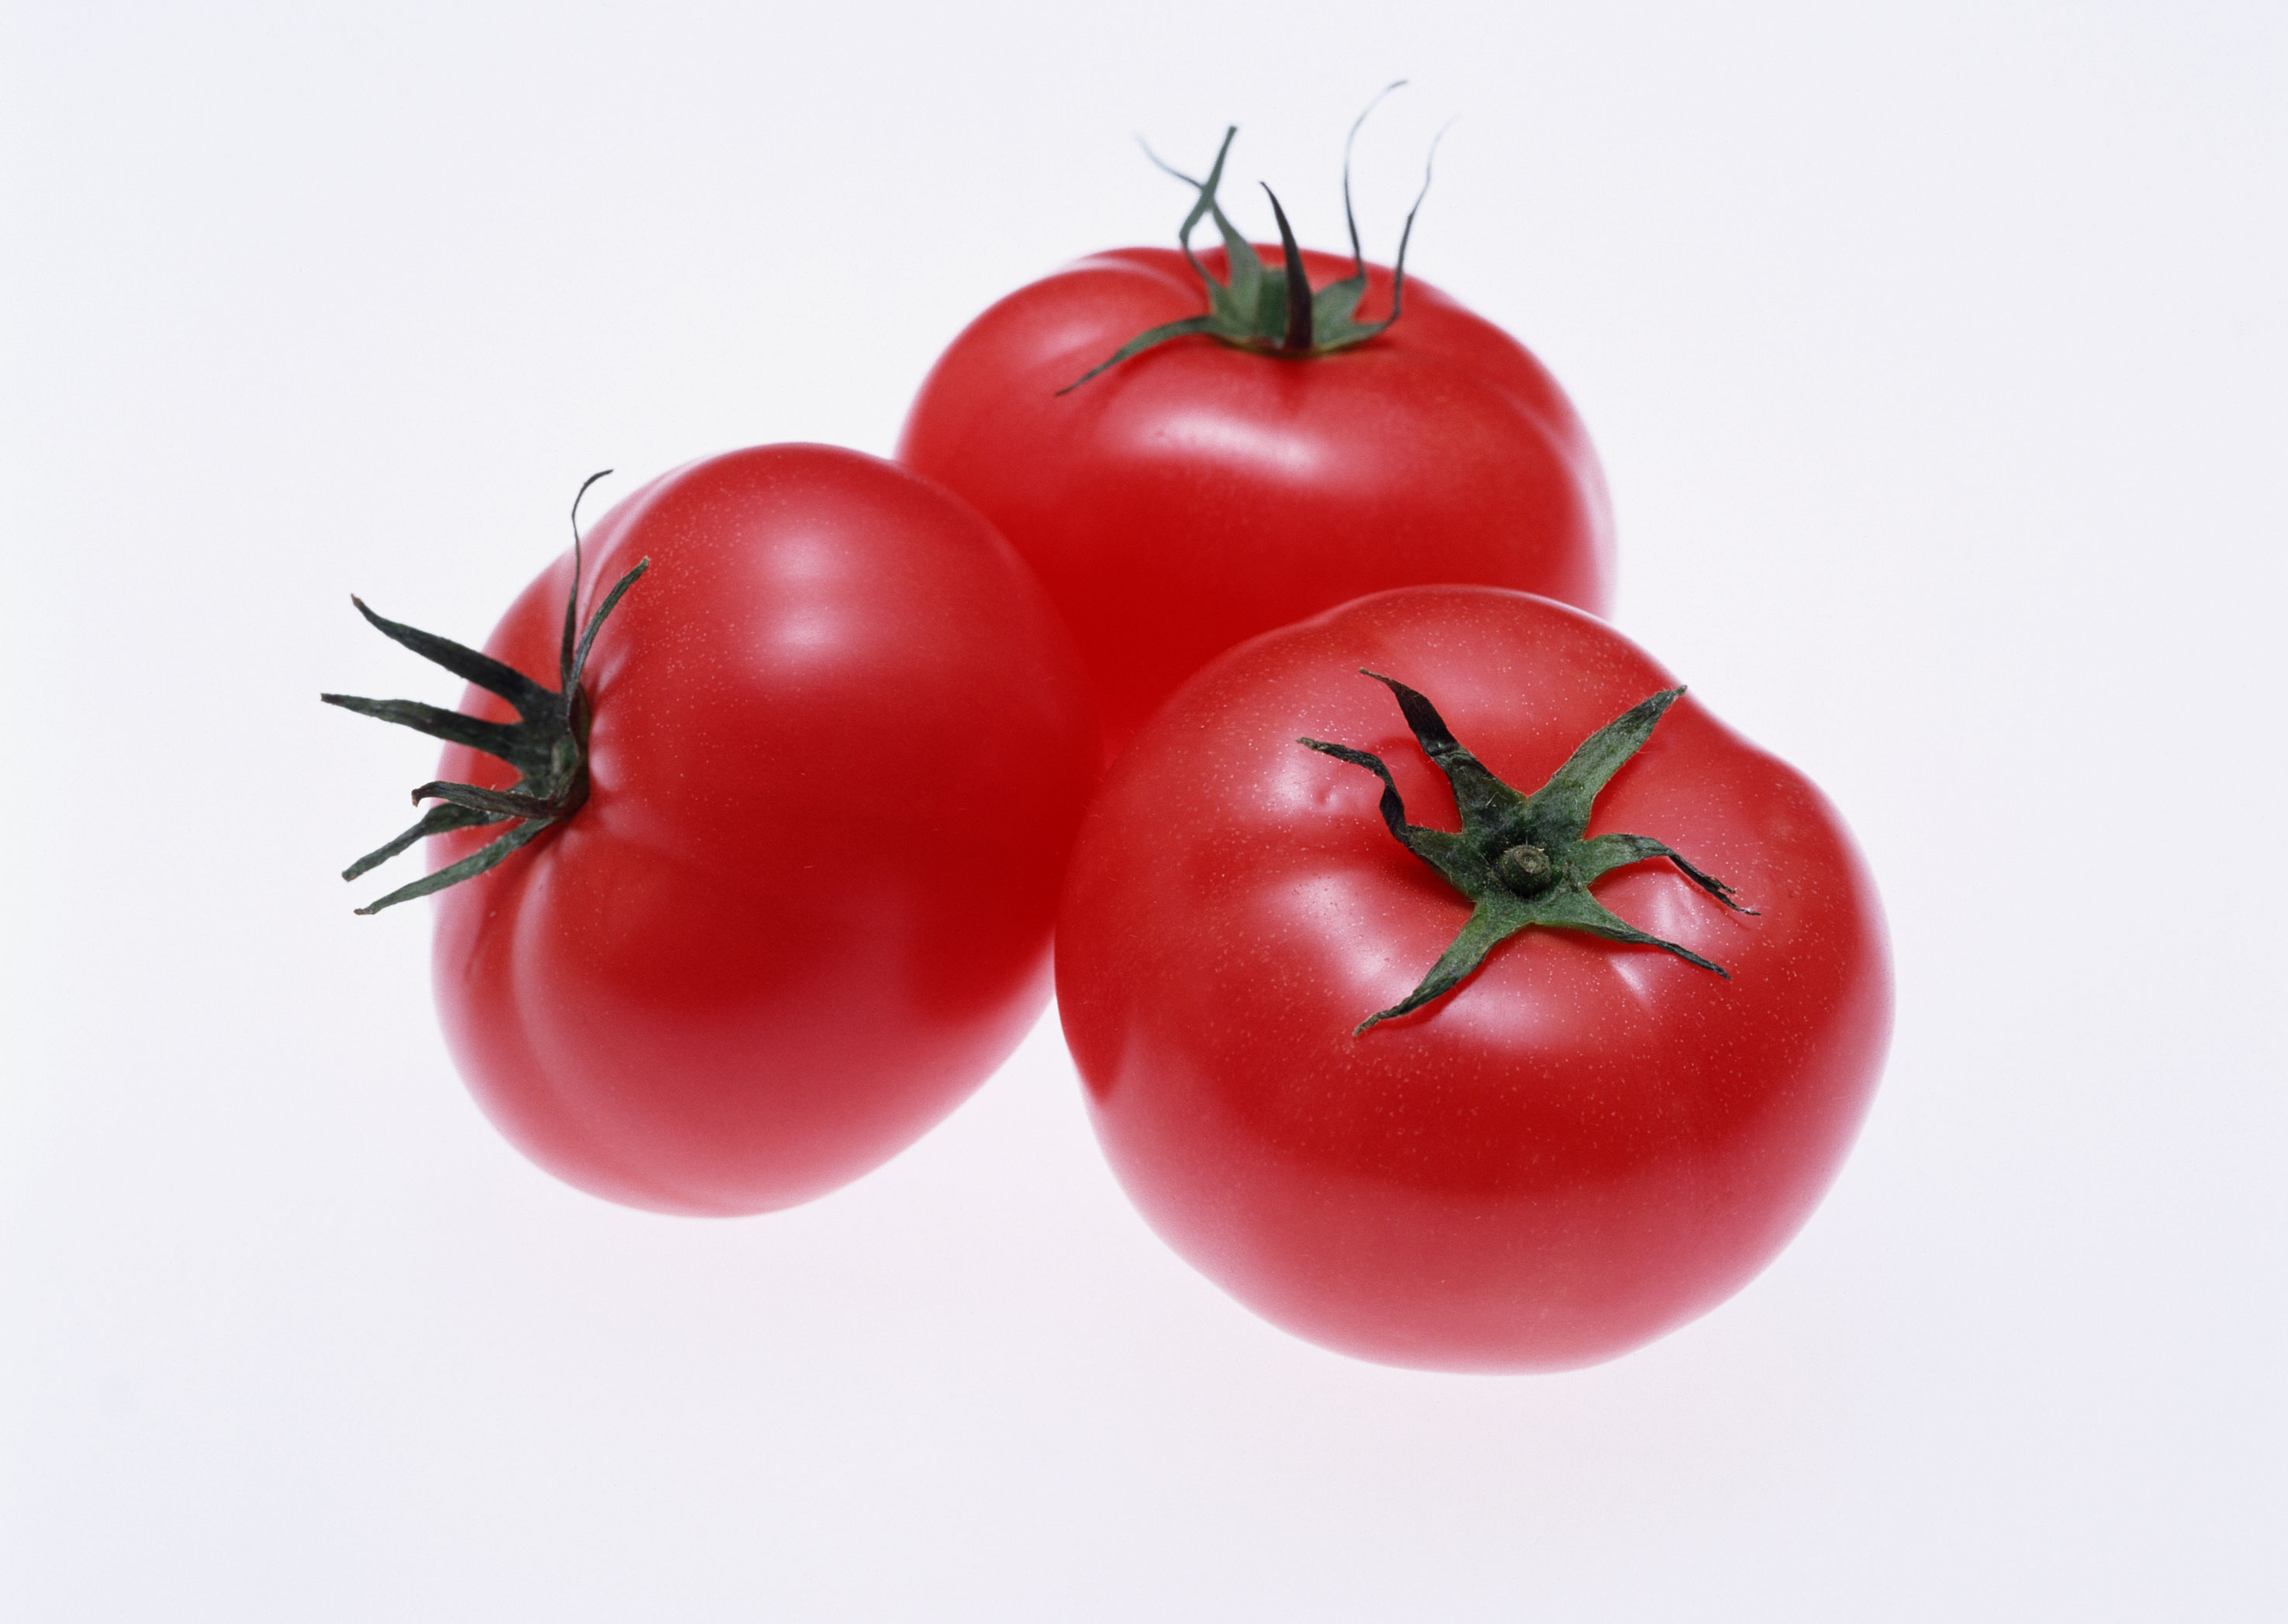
1936, 354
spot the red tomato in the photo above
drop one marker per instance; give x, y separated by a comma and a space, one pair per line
1582, 1145
840, 744
1200, 492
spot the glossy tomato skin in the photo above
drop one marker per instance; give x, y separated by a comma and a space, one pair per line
1196, 495
1582, 1146
841, 745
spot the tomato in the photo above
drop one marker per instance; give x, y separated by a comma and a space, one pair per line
839, 745
1200, 492
1579, 1147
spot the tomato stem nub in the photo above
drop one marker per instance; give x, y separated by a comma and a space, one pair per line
1280, 315
1522, 859
547, 744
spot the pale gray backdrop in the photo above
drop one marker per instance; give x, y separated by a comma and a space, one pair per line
1936, 352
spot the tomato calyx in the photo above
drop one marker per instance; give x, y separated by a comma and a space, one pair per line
547, 744
1277, 316
1522, 859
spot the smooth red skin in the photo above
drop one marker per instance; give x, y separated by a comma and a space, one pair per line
841, 744
1584, 1145
1197, 494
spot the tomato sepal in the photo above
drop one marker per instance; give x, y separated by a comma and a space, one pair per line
1522, 859
1281, 316
547, 744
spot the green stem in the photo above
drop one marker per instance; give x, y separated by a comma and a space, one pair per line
547, 744
1281, 316
1523, 859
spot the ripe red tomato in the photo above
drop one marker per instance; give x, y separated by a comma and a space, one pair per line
840, 743
1200, 492
1582, 1145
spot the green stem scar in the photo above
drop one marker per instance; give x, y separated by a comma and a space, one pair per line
547, 744
1522, 859
1275, 315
